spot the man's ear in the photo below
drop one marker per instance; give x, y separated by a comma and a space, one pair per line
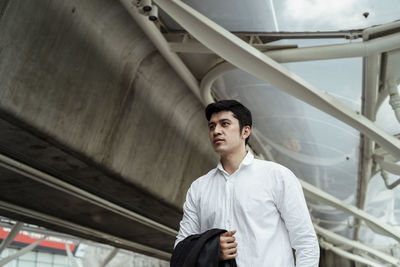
246, 131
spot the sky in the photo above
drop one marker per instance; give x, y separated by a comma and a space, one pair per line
327, 15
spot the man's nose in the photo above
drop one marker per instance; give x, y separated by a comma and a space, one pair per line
217, 130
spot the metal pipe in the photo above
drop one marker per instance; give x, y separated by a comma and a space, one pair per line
338, 239
380, 28
11, 236
349, 50
374, 223
385, 177
387, 165
394, 98
371, 73
109, 257
360, 49
348, 255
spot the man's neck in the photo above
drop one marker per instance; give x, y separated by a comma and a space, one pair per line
230, 162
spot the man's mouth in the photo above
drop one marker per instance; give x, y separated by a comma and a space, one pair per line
217, 141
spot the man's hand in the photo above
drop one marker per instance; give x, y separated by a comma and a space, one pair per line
227, 246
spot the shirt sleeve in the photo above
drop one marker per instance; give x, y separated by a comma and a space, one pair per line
190, 224
294, 212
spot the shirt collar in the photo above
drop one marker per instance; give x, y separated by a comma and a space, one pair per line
248, 159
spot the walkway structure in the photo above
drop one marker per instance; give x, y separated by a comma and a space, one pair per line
102, 128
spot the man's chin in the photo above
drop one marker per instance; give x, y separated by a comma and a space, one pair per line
220, 150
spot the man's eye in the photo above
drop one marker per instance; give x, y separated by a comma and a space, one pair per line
225, 124
211, 127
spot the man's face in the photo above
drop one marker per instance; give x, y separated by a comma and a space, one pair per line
225, 134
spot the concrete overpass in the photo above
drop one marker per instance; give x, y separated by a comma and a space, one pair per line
86, 99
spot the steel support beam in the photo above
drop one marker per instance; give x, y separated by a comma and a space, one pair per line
198, 48
293, 54
71, 257
386, 165
82, 229
21, 252
348, 255
375, 224
340, 240
371, 73
246, 57
43, 231
58, 184
11, 236
350, 34
109, 257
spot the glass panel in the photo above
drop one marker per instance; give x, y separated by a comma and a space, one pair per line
29, 256
60, 259
11, 264
293, 15
315, 146
386, 118
232, 15
385, 205
23, 263
45, 257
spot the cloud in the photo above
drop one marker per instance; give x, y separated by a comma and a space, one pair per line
325, 14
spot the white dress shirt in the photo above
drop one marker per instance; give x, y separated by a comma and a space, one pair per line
265, 203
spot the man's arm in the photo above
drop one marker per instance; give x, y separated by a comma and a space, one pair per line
294, 212
190, 223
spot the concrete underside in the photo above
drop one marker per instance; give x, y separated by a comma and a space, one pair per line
86, 98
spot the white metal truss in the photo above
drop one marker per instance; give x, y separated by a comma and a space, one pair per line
242, 55
248, 58
40, 230
21, 252
340, 240
293, 54
71, 257
82, 229
348, 255
375, 224
110, 256
11, 236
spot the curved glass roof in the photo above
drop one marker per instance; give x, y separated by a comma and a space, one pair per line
317, 147
334, 15
293, 15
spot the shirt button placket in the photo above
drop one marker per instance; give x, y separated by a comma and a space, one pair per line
228, 205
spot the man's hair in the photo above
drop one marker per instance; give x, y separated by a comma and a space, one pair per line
240, 112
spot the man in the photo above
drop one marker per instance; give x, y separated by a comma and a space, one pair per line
260, 203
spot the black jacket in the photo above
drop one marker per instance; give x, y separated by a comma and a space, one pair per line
201, 250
